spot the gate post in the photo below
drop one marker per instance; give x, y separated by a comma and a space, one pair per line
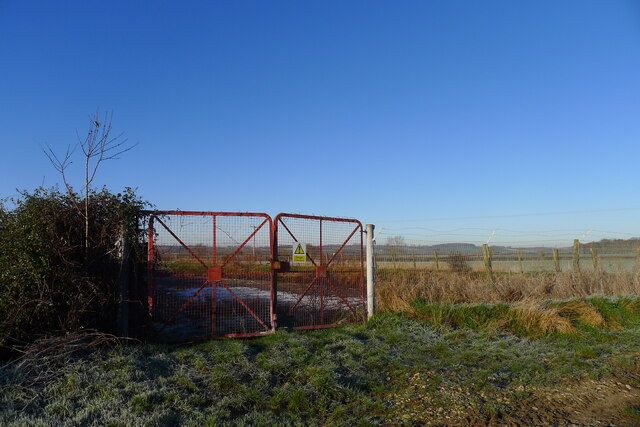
370, 272
274, 274
123, 285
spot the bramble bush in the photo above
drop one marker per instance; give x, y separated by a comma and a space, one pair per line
50, 279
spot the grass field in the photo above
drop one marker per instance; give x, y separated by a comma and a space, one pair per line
439, 363
527, 265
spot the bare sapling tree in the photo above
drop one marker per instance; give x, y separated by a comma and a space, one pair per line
98, 146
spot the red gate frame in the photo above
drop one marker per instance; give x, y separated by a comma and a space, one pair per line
321, 270
215, 273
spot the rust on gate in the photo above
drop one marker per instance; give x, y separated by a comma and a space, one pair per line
209, 274
329, 288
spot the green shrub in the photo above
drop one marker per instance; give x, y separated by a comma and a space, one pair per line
50, 280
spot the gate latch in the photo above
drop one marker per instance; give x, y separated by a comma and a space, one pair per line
321, 271
214, 274
280, 266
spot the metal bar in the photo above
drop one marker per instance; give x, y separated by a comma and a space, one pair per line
202, 213
296, 240
303, 294
324, 218
184, 306
273, 241
150, 262
321, 254
344, 244
322, 300
182, 243
214, 314
215, 243
244, 243
335, 291
244, 305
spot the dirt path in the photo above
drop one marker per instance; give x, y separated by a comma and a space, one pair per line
604, 402
588, 403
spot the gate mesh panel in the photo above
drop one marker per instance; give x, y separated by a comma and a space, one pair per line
209, 275
328, 289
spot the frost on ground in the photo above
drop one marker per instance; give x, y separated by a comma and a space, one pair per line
393, 370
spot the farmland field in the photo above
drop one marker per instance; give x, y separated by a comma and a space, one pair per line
608, 264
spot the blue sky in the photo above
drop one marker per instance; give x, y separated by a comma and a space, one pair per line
383, 111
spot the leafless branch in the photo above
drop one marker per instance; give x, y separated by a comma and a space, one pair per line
100, 146
60, 164
47, 358
97, 146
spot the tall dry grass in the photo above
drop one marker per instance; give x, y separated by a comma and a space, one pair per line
520, 303
396, 291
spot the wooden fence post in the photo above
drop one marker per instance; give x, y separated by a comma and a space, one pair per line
520, 262
435, 255
556, 260
576, 255
414, 261
594, 258
487, 261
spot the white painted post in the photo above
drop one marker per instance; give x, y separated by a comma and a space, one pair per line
370, 272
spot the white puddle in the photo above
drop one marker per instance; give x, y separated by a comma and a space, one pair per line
175, 286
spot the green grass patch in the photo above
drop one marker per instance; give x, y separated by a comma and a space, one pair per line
354, 374
535, 319
633, 412
473, 316
622, 312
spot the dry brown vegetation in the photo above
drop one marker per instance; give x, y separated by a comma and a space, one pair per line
515, 302
47, 358
396, 291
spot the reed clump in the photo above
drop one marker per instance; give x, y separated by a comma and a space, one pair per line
532, 318
582, 312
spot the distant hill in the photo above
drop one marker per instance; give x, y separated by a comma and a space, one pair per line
604, 246
614, 245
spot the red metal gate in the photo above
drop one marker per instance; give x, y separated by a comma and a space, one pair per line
209, 274
325, 285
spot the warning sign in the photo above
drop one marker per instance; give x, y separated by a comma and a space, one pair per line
299, 252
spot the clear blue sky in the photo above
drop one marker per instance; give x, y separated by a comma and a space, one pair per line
375, 110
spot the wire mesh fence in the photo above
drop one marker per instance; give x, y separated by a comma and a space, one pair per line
614, 256
217, 274
209, 274
326, 286
504, 268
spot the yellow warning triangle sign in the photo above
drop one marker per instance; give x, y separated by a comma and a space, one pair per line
299, 250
